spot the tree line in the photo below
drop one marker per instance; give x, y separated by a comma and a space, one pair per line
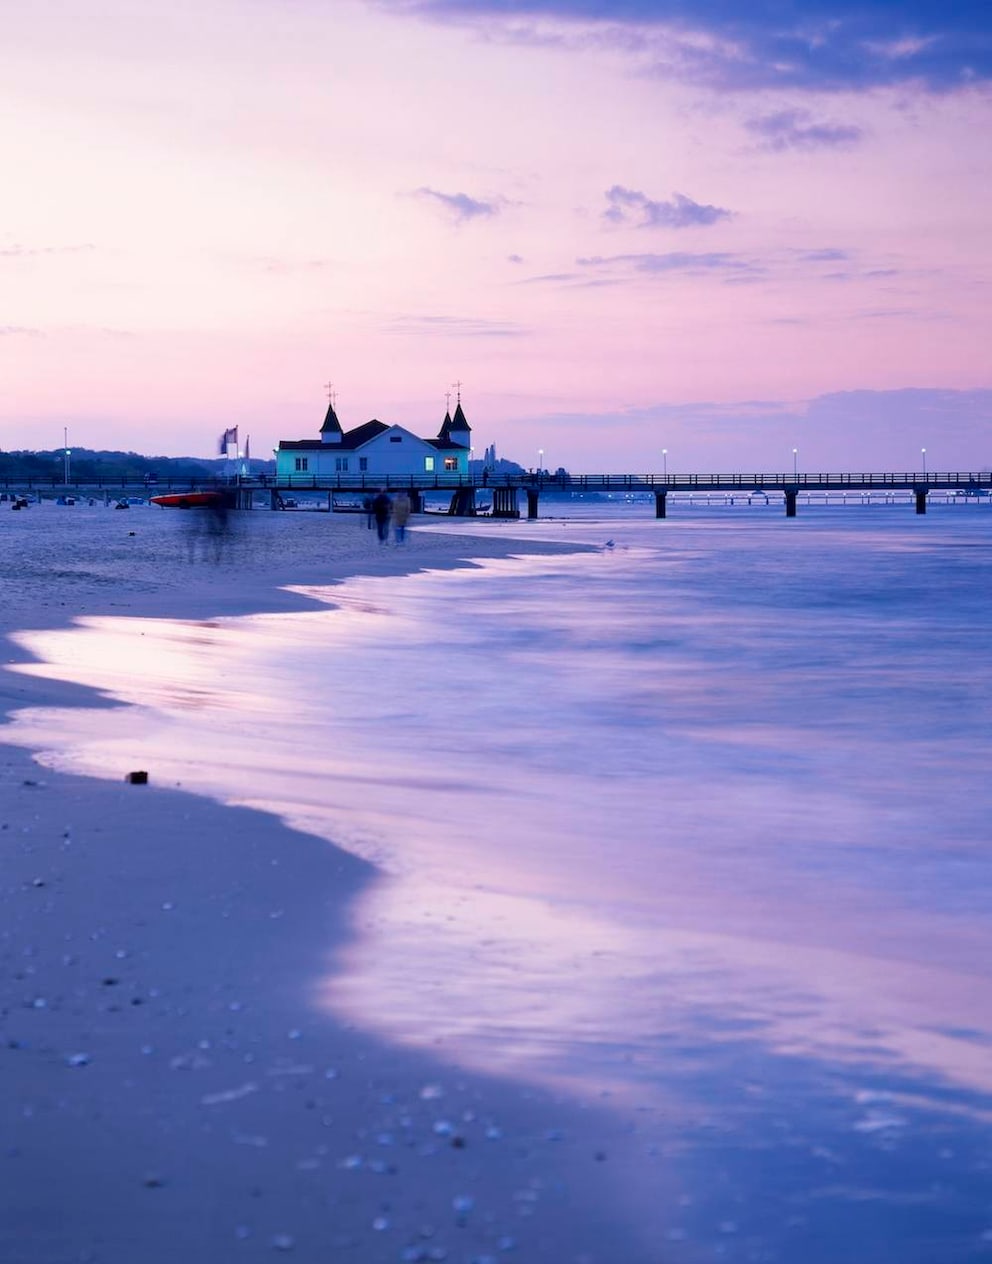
88, 464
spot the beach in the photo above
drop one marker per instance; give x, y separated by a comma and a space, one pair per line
170, 1091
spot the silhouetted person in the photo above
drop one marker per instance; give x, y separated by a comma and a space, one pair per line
401, 516
210, 524
218, 523
382, 508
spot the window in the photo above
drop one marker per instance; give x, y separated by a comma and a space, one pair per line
301, 463
341, 464
429, 464
451, 463
395, 438
363, 463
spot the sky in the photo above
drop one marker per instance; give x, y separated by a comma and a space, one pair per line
637, 232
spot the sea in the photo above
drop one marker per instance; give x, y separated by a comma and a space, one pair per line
693, 825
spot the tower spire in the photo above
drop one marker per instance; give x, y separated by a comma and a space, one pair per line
330, 431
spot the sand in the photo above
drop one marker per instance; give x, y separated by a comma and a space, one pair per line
168, 1089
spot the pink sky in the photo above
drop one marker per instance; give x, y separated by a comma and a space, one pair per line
212, 209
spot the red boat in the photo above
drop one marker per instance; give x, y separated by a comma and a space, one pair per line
188, 500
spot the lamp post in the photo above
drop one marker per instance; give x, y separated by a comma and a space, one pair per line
664, 457
65, 453
795, 463
924, 454
540, 460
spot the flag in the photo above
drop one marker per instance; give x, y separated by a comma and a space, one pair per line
228, 437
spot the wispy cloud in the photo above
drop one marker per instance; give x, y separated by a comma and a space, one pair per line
34, 252
455, 327
632, 207
287, 267
826, 254
695, 264
459, 206
19, 331
796, 129
822, 264
827, 45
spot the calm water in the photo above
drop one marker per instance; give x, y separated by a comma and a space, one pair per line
697, 824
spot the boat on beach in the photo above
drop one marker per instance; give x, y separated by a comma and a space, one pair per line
188, 500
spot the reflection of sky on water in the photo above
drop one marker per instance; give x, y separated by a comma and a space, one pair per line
701, 822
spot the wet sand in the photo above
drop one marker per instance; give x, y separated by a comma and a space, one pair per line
168, 1087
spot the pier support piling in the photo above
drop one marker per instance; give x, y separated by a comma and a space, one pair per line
532, 498
921, 499
505, 502
463, 503
660, 504
790, 502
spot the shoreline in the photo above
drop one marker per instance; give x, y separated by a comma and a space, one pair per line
169, 1087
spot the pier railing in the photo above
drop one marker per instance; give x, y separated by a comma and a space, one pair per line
536, 479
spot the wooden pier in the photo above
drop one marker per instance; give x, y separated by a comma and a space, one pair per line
506, 490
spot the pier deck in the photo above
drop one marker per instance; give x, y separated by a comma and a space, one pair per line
504, 489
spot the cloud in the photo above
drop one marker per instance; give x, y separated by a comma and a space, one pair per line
455, 327
674, 261
630, 206
460, 206
794, 129
815, 264
288, 267
551, 278
822, 44
33, 252
827, 254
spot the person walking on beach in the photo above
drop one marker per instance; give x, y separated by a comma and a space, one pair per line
401, 516
218, 524
382, 508
367, 509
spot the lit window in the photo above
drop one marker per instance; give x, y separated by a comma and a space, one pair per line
429, 464
451, 463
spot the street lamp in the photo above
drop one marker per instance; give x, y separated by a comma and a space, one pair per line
924, 452
795, 462
66, 453
540, 460
664, 456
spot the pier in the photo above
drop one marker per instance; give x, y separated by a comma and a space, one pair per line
505, 491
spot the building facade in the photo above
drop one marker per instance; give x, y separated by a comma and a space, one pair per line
376, 450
